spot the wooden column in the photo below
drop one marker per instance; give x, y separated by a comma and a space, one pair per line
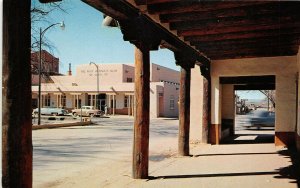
184, 111
205, 71
16, 95
145, 37
114, 104
141, 119
129, 105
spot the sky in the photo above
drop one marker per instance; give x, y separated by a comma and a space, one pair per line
85, 40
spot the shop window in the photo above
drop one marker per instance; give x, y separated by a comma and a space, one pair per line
172, 102
46, 100
63, 100
126, 102
129, 79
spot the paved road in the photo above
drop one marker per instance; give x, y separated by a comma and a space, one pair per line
62, 153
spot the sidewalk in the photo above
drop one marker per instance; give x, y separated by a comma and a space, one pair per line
256, 165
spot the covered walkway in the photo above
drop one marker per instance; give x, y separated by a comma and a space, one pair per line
239, 165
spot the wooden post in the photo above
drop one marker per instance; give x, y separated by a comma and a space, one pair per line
133, 105
127, 105
184, 111
141, 118
205, 71
114, 104
16, 99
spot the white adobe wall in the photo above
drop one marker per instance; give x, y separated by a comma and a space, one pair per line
108, 74
284, 68
169, 90
196, 107
154, 90
228, 100
128, 72
159, 73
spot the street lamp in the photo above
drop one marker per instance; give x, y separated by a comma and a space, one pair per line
42, 32
97, 81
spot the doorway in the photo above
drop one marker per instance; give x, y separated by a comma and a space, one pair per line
248, 109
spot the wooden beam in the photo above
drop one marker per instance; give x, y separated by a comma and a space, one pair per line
245, 11
184, 112
141, 117
116, 9
267, 79
252, 54
245, 35
220, 23
149, 2
249, 43
190, 6
230, 29
16, 96
255, 87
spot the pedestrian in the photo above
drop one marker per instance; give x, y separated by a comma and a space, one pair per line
105, 109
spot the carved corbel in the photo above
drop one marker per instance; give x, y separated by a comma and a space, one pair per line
140, 33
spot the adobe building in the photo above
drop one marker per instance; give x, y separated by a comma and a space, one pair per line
50, 66
115, 89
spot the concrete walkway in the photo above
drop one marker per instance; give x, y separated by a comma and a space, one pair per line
240, 165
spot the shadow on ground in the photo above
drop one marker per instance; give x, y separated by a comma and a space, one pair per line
242, 139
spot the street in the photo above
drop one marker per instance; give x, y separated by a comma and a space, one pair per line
59, 154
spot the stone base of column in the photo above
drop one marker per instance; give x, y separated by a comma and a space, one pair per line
215, 134
284, 138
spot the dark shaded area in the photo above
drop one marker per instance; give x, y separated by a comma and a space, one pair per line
293, 171
217, 154
260, 138
212, 175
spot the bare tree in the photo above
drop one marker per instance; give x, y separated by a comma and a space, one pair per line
41, 14
270, 94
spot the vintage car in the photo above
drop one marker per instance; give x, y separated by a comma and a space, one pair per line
87, 111
51, 111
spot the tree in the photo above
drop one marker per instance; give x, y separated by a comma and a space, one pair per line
41, 14
270, 94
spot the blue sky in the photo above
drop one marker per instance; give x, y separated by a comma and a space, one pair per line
85, 39
255, 95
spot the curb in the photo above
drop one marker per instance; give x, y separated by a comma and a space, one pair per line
52, 126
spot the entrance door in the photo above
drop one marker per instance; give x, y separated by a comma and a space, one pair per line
161, 105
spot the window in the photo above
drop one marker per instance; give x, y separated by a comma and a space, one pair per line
46, 99
63, 100
172, 104
91, 100
129, 79
126, 102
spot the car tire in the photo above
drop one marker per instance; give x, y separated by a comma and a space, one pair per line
75, 114
92, 115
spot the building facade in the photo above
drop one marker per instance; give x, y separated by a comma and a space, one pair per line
111, 85
50, 66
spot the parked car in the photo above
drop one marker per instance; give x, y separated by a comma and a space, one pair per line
51, 111
87, 111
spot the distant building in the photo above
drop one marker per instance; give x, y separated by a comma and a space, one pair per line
115, 89
50, 66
